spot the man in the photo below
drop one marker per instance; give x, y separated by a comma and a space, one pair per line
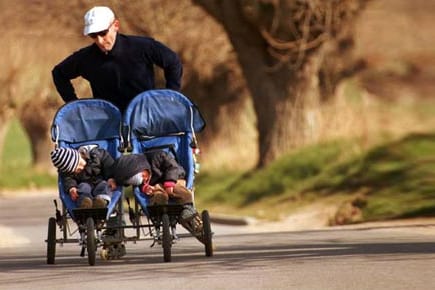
117, 66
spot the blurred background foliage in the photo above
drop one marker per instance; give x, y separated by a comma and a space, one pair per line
296, 111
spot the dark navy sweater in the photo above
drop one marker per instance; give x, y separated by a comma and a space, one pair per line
122, 73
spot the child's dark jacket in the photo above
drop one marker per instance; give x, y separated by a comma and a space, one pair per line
99, 167
163, 167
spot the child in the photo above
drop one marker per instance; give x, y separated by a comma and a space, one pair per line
161, 177
85, 174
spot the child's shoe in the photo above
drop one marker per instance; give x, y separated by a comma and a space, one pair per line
86, 203
190, 219
159, 198
99, 203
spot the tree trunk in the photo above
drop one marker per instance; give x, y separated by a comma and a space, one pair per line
282, 110
280, 95
280, 46
36, 117
4, 124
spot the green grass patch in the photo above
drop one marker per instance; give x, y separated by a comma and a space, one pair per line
16, 165
397, 179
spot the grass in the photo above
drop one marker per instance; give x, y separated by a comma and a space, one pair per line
396, 180
16, 168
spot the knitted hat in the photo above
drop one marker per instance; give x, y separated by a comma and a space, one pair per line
65, 159
127, 166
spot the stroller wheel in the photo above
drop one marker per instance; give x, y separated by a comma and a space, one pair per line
166, 238
90, 240
51, 240
207, 234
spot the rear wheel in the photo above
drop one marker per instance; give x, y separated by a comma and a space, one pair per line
51, 240
207, 234
90, 240
166, 238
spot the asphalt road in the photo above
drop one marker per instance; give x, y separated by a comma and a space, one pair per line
399, 257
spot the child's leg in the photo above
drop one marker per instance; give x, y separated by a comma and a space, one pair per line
102, 194
85, 197
158, 196
181, 193
189, 216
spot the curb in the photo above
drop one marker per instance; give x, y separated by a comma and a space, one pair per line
230, 220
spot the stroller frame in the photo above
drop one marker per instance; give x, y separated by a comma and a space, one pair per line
156, 119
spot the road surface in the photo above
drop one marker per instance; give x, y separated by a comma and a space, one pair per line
381, 257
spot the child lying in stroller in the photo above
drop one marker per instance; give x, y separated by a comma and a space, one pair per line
159, 176
86, 174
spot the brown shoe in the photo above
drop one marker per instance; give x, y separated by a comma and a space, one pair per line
159, 198
99, 203
86, 203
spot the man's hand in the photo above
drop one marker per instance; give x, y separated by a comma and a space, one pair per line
73, 193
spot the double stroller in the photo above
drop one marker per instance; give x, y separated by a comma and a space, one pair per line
154, 120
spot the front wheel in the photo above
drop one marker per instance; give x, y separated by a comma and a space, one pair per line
166, 238
51, 240
207, 234
90, 240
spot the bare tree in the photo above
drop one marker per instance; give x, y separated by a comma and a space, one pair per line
35, 115
7, 103
287, 53
27, 92
9, 84
281, 46
212, 77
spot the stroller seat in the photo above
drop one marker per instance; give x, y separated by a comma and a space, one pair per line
164, 120
87, 122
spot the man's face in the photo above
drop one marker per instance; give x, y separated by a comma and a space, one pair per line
105, 39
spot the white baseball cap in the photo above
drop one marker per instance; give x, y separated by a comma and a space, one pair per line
98, 19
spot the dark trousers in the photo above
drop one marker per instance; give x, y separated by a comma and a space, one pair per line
87, 190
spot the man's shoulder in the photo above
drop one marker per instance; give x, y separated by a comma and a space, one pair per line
85, 51
136, 39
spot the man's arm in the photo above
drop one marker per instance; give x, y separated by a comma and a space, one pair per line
62, 74
169, 61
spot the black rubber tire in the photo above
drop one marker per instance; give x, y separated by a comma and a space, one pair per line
207, 234
90, 240
64, 223
166, 238
51, 240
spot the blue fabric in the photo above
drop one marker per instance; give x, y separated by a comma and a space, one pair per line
156, 118
86, 120
164, 119
162, 112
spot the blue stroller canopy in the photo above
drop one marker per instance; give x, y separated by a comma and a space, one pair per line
162, 112
85, 120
